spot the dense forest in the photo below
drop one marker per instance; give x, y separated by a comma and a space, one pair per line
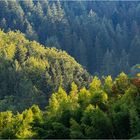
107, 109
103, 36
29, 72
69, 69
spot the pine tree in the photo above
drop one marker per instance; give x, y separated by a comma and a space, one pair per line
98, 54
124, 62
81, 53
108, 65
30, 33
134, 49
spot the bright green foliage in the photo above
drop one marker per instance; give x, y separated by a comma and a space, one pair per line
95, 84
84, 97
29, 72
22, 124
121, 83
6, 120
92, 112
98, 96
73, 97
102, 36
57, 104
108, 83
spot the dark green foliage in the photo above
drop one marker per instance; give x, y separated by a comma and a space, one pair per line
102, 36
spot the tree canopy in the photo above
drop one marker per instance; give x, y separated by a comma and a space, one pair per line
99, 35
109, 109
30, 73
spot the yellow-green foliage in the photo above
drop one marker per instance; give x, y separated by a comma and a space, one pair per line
30, 72
90, 113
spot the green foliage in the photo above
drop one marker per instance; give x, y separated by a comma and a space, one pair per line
108, 84
30, 72
92, 112
122, 83
96, 122
98, 35
75, 130
102, 36
95, 84
6, 119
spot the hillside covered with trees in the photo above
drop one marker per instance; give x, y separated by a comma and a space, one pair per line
69, 69
30, 73
103, 36
108, 109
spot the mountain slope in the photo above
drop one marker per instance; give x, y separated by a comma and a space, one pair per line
103, 36
29, 72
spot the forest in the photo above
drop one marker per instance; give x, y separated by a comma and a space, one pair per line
69, 69
30, 73
98, 34
107, 109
